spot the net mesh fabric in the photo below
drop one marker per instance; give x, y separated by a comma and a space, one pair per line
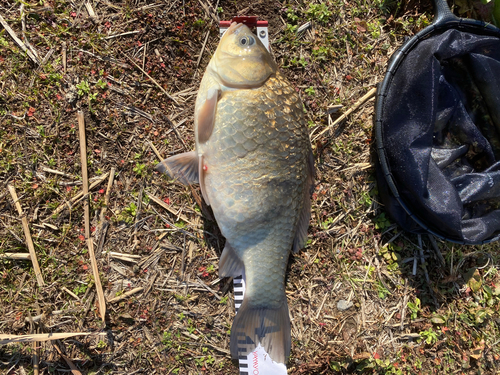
440, 127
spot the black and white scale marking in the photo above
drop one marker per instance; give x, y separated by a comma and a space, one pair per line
257, 362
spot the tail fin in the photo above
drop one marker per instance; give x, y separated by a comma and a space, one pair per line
270, 327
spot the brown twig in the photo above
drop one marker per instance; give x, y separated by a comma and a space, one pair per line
125, 257
155, 150
90, 243
152, 80
202, 49
15, 256
108, 192
436, 249
97, 279
79, 196
126, 294
50, 170
23, 28
71, 365
174, 128
370, 94
210, 14
10, 339
90, 11
64, 56
29, 241
18, 41
36, 358
165, 206
85, 178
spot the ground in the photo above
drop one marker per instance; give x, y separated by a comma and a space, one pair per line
133, 68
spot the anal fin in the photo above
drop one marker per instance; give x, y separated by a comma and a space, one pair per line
230, 265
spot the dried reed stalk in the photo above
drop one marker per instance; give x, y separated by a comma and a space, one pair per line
165, 206
90, 243
27, 234
18, 41
108, 192
15, 256
71, 365
370, 94
80, 195
14, 339
126, 294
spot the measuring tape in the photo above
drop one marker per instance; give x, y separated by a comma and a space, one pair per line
257, 362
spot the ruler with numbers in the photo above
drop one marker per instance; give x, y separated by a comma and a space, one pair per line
257, 362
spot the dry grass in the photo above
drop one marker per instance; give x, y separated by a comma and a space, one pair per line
133, 68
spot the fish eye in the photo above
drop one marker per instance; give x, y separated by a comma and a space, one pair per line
247, 41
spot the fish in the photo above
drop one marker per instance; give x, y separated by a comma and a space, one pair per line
254, 164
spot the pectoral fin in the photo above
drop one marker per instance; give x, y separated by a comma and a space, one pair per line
206, 115
183, 167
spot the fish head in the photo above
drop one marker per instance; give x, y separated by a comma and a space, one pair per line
241, 60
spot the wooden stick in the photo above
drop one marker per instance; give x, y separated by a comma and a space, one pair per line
152, 80
25, 38
356, 105
71, 293
126, 257
126, 294
122, 34
90, 10
436, 249
155, 150
85, 178
80, 195
15, 256
108, 192
90, 243
36, 358
71, 365
98, 286
18, 41
11, 339
165, 206
202, 49
64, 57
27, 234
49, 170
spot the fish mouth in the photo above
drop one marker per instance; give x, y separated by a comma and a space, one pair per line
234, 27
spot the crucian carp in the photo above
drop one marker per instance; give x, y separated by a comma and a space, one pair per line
255, 168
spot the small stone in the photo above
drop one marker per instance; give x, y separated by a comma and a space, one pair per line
343, 305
